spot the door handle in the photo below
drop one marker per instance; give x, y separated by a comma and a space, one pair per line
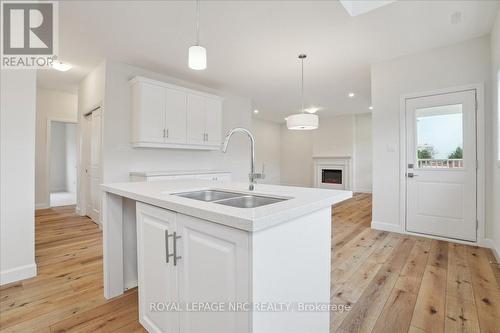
168, 255
411, 175
175, 248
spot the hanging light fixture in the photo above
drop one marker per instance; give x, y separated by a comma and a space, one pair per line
302, 121
197, 54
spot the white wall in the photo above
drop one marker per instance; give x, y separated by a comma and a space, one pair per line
267, 149
447, 67
17, 175
58, 157
70, 154
363, 156
63, 157
50, 104
334, 137
119, 158
296, 157
494, 211
337, 136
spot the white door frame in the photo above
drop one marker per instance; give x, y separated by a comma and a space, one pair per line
480, 152
48, 150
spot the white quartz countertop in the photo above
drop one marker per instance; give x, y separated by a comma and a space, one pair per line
303, 201
175, 172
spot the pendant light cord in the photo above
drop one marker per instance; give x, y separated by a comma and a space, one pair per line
302, 56
197, 22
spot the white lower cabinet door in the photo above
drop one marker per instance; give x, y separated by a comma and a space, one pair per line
157, 277
213, 274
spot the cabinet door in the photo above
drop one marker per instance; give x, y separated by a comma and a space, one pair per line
150, 113
156, 278
213, 121
175, 116
213, 268
195, 119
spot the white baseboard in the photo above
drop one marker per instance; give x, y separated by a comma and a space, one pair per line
387, 227
491, 244
17, 273
42, 205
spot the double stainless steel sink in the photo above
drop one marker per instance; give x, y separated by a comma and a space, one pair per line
233, 199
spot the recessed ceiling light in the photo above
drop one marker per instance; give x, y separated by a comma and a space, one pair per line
312, 109
255, 111
351, 95
370, 107
61, 66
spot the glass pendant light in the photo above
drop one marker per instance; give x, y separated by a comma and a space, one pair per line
302, 121
197, 54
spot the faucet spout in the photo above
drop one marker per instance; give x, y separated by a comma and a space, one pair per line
252, 176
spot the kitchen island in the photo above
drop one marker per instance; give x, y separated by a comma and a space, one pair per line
206, 263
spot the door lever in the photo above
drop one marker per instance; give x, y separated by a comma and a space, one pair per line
411, 175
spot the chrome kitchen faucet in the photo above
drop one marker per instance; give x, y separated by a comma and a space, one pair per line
252, 176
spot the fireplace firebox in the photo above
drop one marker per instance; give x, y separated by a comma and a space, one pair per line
331, 176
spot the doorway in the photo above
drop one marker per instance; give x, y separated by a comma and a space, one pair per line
441, 165
62, 163
91, 162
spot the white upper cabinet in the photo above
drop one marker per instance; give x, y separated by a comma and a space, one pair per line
148, 115
195, 119
175, 116
213, 121
169, 116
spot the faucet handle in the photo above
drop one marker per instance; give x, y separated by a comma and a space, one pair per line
262, 175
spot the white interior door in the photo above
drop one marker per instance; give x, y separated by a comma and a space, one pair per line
92, 162
86, 134
441, 165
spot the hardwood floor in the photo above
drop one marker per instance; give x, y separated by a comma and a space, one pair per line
397, 283
67, 294
393, 283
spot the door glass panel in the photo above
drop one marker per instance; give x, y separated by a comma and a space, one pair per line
439, 137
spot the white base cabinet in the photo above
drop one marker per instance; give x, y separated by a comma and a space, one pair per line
286, 265
185, 263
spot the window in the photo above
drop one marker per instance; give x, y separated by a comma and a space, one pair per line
440, 137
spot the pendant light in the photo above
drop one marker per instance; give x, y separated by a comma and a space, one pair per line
302, 121
197, 54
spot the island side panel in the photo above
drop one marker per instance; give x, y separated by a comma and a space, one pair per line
291, 264
112, 238
129, 244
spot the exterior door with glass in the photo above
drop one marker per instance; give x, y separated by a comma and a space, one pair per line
441, 165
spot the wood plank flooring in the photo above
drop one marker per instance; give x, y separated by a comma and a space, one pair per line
392, 282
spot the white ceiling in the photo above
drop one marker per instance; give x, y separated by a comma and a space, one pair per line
253, 45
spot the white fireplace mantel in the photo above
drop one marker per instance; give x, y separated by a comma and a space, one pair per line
333, 162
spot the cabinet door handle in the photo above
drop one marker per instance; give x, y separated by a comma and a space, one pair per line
167, 255
207, 137
163, 132
167, 132
175, 248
